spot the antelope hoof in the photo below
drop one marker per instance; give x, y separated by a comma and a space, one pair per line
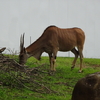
51, 72
80, 71
72, 67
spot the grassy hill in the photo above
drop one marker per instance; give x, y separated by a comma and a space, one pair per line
39, 84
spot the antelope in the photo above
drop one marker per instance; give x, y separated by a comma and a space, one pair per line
52, 40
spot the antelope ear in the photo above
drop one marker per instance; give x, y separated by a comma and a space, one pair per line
24, 50
22, 43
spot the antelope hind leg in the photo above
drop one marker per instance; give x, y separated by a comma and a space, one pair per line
76, 53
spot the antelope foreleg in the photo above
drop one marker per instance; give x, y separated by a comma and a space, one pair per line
52, 65
51, 62
52, 58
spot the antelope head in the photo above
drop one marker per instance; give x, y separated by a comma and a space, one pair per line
23, 54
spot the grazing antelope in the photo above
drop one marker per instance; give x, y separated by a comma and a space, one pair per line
52, 40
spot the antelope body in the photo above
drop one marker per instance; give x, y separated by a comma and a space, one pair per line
52, 40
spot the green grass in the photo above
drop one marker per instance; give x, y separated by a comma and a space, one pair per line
61, 83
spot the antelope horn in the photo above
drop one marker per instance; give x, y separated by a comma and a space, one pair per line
22, 42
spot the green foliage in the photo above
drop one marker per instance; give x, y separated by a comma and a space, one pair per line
10, 79
58, 86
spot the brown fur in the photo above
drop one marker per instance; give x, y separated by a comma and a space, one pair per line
87, 88
55, 39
